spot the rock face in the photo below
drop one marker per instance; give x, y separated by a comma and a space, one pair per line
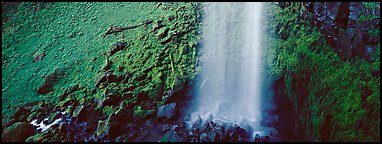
18, 132
343, 27
167, 111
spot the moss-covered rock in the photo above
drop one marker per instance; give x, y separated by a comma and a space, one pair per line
77, 110
107, 111
138, 112
35, 138
31, 116
101, 128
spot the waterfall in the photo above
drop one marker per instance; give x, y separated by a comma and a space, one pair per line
229, 88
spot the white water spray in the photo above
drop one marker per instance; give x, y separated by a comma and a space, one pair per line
230, 88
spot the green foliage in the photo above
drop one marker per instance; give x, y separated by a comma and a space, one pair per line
371, 5
336, 87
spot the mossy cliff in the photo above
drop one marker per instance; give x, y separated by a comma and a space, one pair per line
333, 90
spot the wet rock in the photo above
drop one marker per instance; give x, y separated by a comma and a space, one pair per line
18, 132
171, 136
167, 111
198, 123
203, 137
211, 136
166, 127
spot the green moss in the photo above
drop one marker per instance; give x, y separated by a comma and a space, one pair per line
31, 116
69, 34
101, 128
35, 138
336, 87
77, 110
138, 112
108, 110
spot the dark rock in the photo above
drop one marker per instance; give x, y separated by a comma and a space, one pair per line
211, 136
50, 80
17, 132
257, 137
167, 111
267, 138
149, 124
170, 17
122, 138
113, 78
340, 24
112, 98
203, 137
240, 135
219, 130
355, 11
132, 131
198, 123
166, 127
343, 15
21, 113
375, 74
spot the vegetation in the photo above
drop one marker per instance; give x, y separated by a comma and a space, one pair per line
41, 37
336, 100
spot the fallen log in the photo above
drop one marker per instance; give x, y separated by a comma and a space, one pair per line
113, 29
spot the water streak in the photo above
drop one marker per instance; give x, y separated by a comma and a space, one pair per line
230, 85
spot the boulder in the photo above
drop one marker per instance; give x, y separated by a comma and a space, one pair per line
18, 132
167, 111
50, 80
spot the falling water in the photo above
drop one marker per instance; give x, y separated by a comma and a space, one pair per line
230, 82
